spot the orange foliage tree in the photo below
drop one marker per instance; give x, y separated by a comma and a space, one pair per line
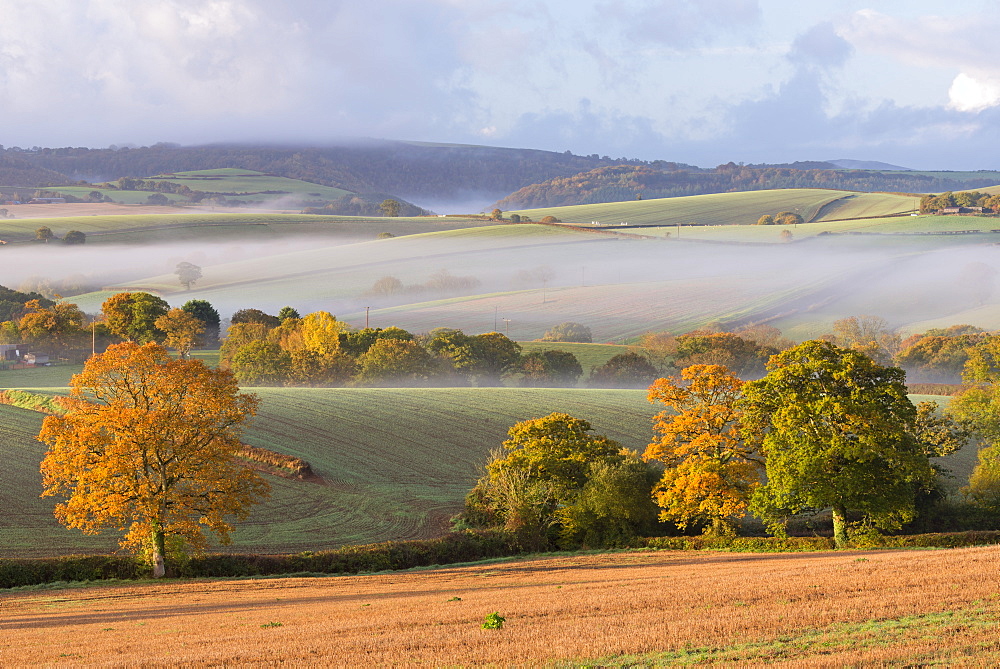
148, 446
710, 474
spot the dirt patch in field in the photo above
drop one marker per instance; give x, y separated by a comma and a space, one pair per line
107, 209
837, 609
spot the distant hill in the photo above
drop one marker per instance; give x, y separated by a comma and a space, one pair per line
627, 182
867, 165
413, 171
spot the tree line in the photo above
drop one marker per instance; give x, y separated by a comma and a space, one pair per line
826, 428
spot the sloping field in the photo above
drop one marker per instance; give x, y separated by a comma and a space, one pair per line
397, 462
729, 208
134, 226
831, 609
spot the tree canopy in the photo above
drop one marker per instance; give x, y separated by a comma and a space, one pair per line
837, 430
147, 447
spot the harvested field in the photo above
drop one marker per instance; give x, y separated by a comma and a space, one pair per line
825, 609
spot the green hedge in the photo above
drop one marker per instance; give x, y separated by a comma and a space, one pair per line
467, 546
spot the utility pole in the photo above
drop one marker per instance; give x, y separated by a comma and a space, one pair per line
366, 317
496, 310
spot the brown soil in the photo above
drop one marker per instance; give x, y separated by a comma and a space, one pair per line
557, 609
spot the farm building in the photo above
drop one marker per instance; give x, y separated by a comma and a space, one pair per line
36, 358
11, 351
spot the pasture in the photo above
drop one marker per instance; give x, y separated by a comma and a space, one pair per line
852, 608
742, 208
396, 463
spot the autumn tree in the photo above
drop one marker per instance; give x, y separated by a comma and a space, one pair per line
44, 234
710, 472
254, 316
148, 447
837, 431
870, 335
188, 273
75, 237
181, 330
978, 406
132, 316
58, 328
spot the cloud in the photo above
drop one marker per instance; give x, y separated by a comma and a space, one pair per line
820, 46
202, 69
677, 25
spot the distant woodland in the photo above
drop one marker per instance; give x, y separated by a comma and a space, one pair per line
524, 178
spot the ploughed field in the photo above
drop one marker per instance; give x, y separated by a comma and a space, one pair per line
632, 608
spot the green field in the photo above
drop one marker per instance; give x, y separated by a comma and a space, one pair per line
731, 208
397, 462
246, 185
196, 225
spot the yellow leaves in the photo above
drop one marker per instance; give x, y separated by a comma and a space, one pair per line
710, 472
150, 441
321, 333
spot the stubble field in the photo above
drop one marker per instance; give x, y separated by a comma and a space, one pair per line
826, 609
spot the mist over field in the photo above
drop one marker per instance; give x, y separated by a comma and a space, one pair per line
530, 282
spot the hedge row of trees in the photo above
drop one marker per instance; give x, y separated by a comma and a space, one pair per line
827, 427
931, 203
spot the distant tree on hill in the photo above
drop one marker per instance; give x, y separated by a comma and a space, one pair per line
386, 286
786, 236
44, 234
550, 369
188, 274
384, 235
625, 370
569, 332
74, 237
549, 219
390, 208
766, 219
496, 215
515, 218
287, 312
158, 199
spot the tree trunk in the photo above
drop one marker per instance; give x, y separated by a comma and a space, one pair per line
159, 553
839, 526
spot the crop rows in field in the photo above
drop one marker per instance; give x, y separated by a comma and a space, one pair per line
742, 208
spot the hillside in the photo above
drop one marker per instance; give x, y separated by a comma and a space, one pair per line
621, 183
744, 208
396, 462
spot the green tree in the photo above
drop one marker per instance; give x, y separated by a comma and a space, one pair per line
75, 237
978, 407
390, 208
261, 363
357, 342
570, 332
537, 487
148, 445
396, 362
132, 316
837, 431
625, 370
287, 312
254, 316
188, 274
550, 369
209, 317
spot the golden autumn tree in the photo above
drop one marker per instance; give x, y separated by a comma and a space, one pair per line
147, 447
182, 331
710, 474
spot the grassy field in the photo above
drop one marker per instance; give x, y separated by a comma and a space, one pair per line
843, 609
397, 462
246, 185
731, 208
135, 227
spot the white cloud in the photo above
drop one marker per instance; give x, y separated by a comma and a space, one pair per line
972, 95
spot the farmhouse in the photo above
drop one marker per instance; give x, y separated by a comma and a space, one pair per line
11, 351
964, 210
47, 200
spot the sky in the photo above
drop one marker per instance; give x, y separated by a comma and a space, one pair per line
910, 82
